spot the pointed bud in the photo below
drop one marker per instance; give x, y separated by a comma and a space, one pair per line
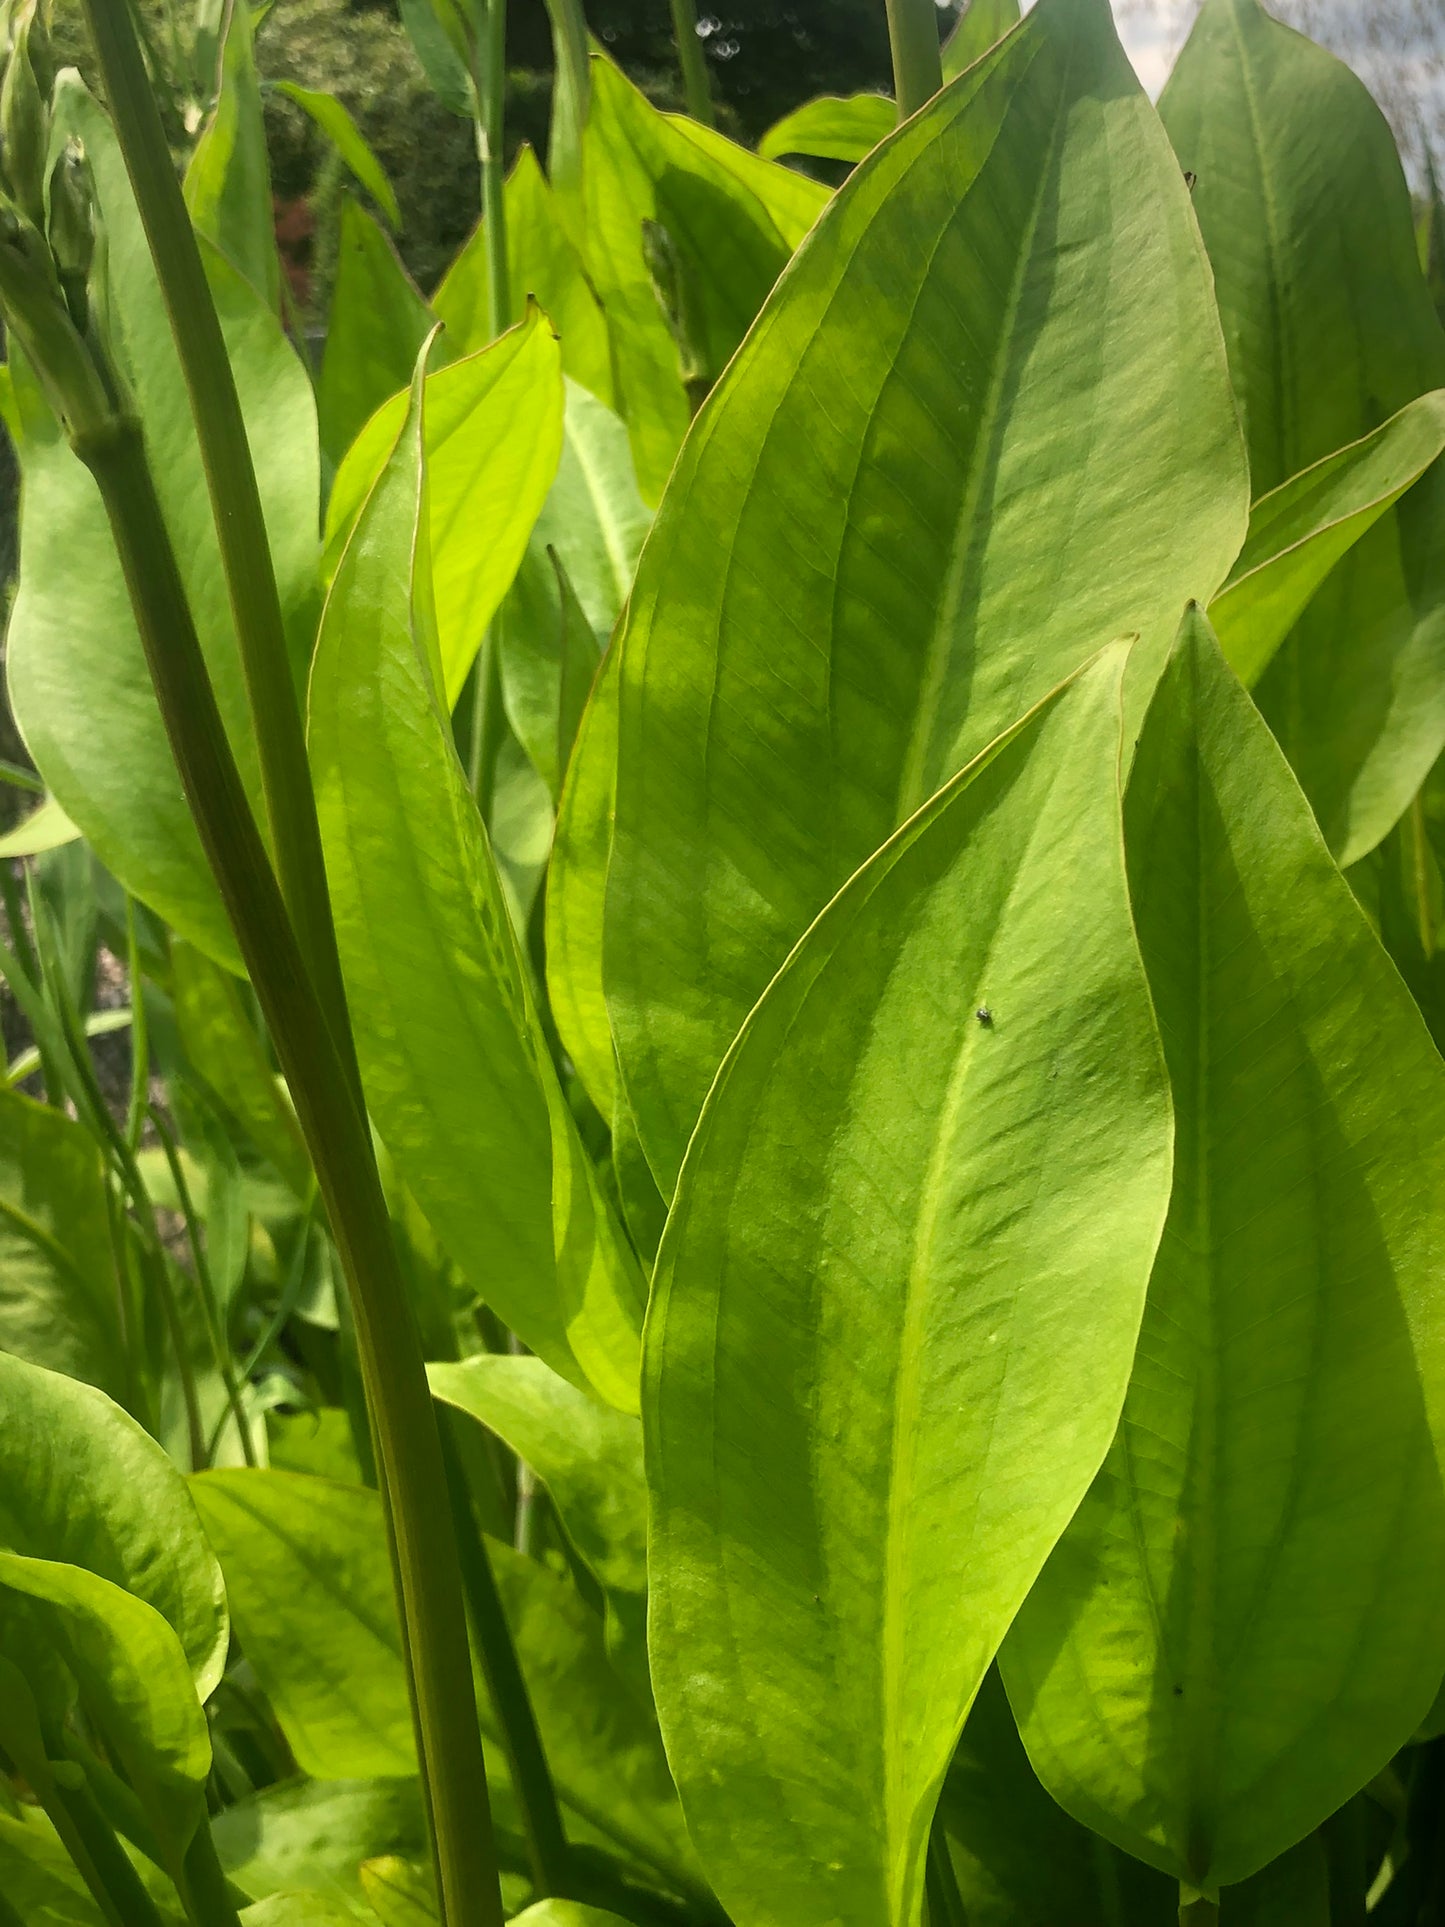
71, 227
25, 111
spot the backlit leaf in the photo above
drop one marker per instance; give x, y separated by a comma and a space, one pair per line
893, 1316
334, 119
832, 127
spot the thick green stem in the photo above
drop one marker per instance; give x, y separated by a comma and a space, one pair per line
203, 1883
917, 63
696, 85
547, 1851
103, 1861
491, 89
432, 1610
1197, 1910
235, 501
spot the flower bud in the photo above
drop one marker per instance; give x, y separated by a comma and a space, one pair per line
25, 111
71, 227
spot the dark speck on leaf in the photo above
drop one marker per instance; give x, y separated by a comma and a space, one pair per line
984, 1016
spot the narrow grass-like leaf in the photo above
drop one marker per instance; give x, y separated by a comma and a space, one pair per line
1305, 211
893, 1317
1299, 531
456, 1066
983, 427
1241, 1625
377, 324
334, 119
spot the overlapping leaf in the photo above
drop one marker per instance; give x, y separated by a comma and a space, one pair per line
983, 427
893, 1317
378, 324
1330, 326
1241, 1625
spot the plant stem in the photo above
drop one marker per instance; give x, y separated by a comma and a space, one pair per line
140, 1054
235, 501
204, 1886
1196, 1910
432, 1611
696, 84
917, 63
105, 1865
489, 83
547, 1851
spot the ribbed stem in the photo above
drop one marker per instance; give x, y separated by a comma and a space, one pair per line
917, 63
696, 82
235, 501
945, 1903
429, 1581
207, 1897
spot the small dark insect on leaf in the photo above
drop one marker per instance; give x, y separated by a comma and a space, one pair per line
1190, 177
984, 1016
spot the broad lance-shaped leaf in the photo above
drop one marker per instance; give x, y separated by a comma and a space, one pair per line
982, 428
306, 1565
58, 1301
592, 525
833, 127
228, 181
893, 1317
81, 1483
982, 24
335, 120
1330, 327
457, 1071
134, 1683
727, 223
494, 438
77, 673
1242, 1623
542, 262
1299, 532
377, 324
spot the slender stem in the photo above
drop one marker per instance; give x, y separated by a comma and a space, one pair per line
235, 501
487, 717
917, 63
112, 1879
696, 84
491, 90
945, 1903
1420, 866
155, 1273
8, 1915
547, 1852
206, 1288
1197, 1910
140, 1053
20, 778
203, 1885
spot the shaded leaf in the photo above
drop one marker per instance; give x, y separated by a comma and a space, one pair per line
1176, 1681
982, 25
401, 1894
298, 1910
46, 828
893, 1316
378, 323
849, 589
314, 1834
334, 119
228, 179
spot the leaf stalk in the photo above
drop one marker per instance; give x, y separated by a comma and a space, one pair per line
917, 62
696, 82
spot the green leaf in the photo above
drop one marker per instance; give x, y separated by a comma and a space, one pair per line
982, 25
833, 127
592, 523
298, 1910
566, 1913
226, 1048
1019, 1860
401, 1895
643, 166
542, 262
1401, 885
893, 1316
443, 60
983, 427
314, 1834
458, 1075
82, 1483
46, 828
38, 1877
577, 890
312, 1595
228, 180
334, 119
377, 326
1330, 328
588, 1457
78, 679
1241, 1624
1301, 530
58, 1302
493, 441
134, 1681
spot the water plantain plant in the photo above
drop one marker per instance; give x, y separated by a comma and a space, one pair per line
724, 1198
